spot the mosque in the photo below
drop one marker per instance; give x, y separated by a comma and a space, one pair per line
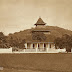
40, 46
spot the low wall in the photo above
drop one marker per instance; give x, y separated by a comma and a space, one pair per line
5, 50
26, 51
48, 50
29, 50
61, 50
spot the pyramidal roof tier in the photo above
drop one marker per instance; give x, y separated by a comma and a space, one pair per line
40, 22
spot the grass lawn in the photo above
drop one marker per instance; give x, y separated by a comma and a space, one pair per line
59, 62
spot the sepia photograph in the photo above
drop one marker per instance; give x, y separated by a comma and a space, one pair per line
35, 35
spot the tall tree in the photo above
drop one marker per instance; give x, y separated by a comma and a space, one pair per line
16, 42
3, 41
64, 42
58, 43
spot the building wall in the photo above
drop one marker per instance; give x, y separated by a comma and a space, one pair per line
40, 45
46, 45
52, 45
40, 26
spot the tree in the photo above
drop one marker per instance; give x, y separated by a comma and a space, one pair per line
2, 37
66, 39
58, 43
16, 42
38, 36
64, 42
3, 41
21, 44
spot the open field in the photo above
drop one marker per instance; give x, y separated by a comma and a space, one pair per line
60, 62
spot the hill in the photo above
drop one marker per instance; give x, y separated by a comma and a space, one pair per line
55, 32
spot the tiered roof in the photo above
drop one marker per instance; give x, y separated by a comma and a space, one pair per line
40, 22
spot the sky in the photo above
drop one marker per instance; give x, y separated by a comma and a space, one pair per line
18, 15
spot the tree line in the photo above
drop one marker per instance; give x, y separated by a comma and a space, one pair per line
60, 42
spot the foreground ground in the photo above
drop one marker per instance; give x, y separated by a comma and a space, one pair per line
61, 62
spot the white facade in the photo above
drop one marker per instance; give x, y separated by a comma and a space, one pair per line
41, 48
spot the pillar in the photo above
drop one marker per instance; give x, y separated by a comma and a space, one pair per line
48, 47
37, 45
43, 45
37, 48
31, 46
25, 45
